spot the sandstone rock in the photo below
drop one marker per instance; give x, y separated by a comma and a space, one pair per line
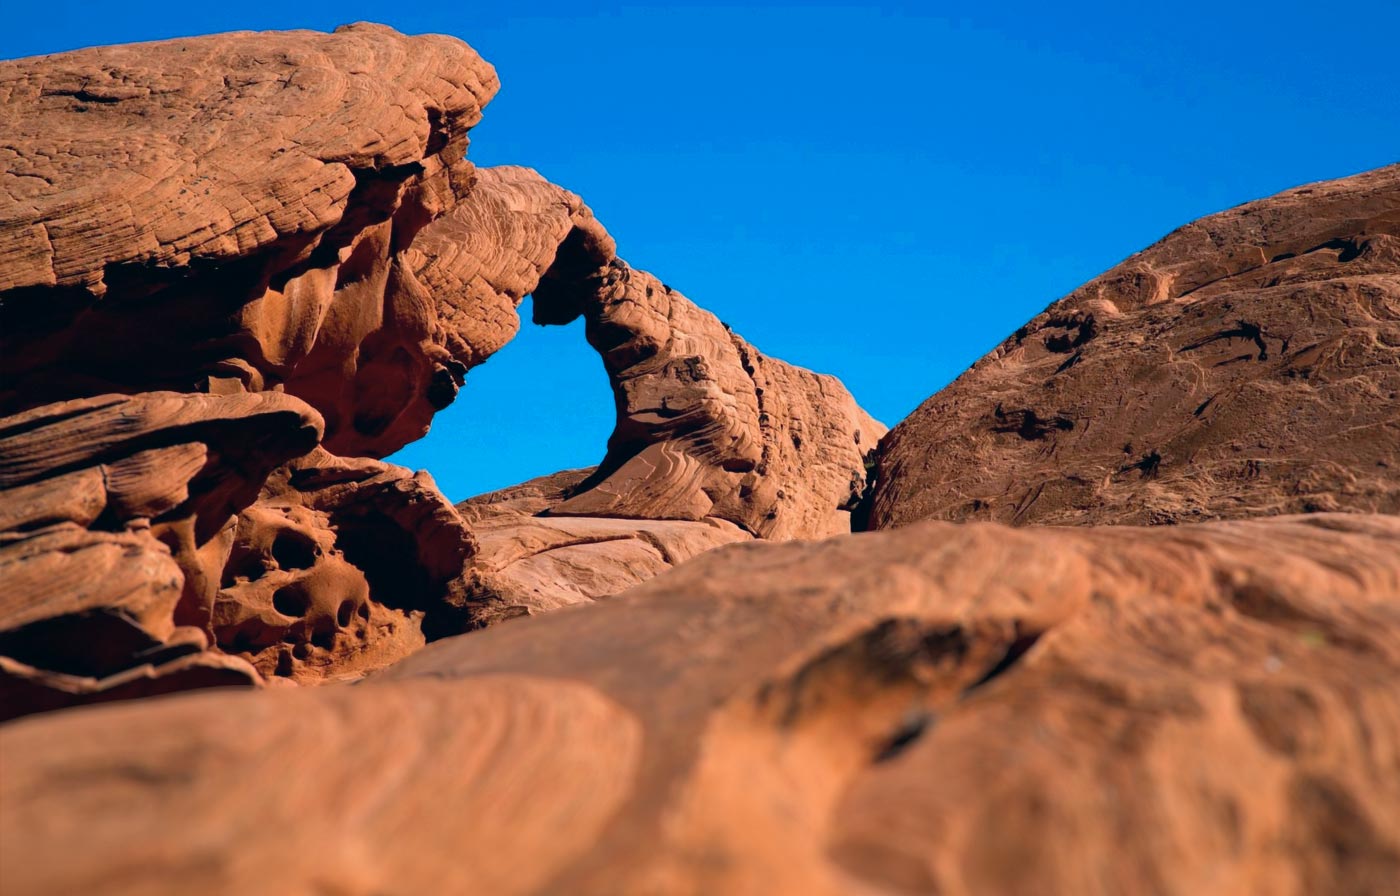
1203, 709
114, 531
707, 426
530, 561
479, 261
227, 212
164, 668
255, 213
341, 567
714, 442
1248, 364
235, 270
222, 215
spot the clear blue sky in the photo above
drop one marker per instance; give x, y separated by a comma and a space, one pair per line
881, 191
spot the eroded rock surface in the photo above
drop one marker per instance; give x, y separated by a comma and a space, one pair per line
714, 442
946, 708
114, 530
214, 227
341, 567
1248, 364
235, 271
193, 223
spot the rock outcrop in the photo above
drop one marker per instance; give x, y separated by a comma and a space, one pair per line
213, 227
946, 708
230, 211
707, 426
341, 567
113, 534
714, 442
1246, 365
237, 271
188, 225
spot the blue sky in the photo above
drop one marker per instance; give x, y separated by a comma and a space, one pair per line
882, 191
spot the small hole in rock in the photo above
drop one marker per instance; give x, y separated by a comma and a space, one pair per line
345, 613
290, 602
293, 551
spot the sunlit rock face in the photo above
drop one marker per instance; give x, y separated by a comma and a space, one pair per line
200, 244
1246, 365
229, 212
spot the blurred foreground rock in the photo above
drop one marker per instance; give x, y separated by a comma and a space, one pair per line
945, 709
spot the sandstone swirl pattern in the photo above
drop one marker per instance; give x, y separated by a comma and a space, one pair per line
1201, 709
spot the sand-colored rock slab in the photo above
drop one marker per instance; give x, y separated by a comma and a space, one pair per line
964, 709
452, 774
213, 148
1248, 364
532, 561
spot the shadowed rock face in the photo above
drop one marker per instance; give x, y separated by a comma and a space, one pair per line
113, 534
1248, 364
221, 218
954, 709
342, 566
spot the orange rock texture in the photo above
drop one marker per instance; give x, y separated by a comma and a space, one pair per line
943, 708
237, 271
1246, 365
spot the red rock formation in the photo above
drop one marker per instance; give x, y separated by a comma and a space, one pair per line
707, 426
236, 270
341, 567
955, 709
247, 213
714, 442
1247, 364
221, 215
227, 212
